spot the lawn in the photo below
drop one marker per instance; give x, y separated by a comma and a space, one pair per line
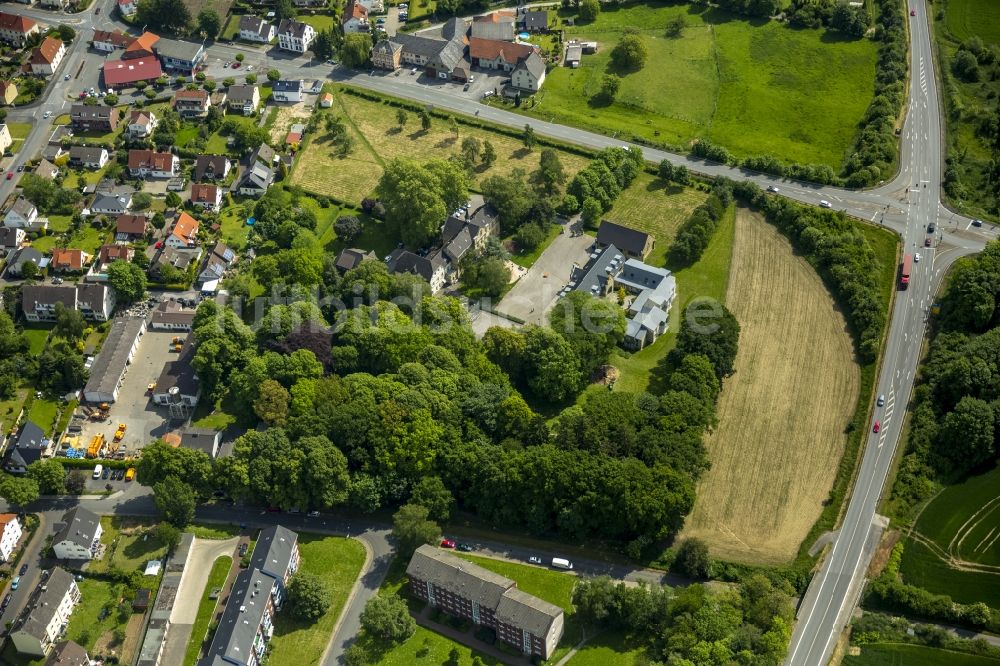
378, 138
87, 238
768, 483
427, 648
86, 625
129, 545
320, 22
709, 278
899, 654
755, 88
43, 413
647, 205
206, 608
610, 647
338, 562
74, 181
527, 259
18, 133
37, 336
959, 528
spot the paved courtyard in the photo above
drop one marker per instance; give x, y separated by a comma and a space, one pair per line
535, 293
134, 406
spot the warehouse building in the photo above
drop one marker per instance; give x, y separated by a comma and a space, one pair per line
108, 371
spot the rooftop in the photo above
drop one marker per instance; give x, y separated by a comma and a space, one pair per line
114, 355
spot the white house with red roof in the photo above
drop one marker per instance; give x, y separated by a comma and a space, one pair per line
46, 58
16, 29
184, 233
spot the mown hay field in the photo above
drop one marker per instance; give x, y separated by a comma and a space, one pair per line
782, 414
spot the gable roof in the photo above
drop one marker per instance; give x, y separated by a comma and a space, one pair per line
47, 294
23, 207
86, 153
200, 96
46, 52
130, 71
215, 164
111, 200
491, 49
632, 241
237, 630
44, 604
287, 85
242, 94
117, 37
274, 549
84, 112
68, 653
11, 236
16, 23
292, 27
258, 177
47, 169
178, 49
111, 253
254, 24
70, 259
79, 527
355, 10
185, 227
140, 117
201, 439
385, 47
458, 576
533, 64
350, 258
204, 193
404, 261
150, 159
528, 612
499, 16
536, 19
141, 45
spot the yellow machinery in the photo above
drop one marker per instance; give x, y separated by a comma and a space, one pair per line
96, 444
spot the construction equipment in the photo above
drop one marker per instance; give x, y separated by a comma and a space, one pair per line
177, 347
120, 433
96, 444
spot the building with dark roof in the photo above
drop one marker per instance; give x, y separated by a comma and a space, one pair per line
86, 118
433, 267
24, 255
276, 554
247, 622
31, 445
438, 57
211, 167
90, 157
256, 29
202, 439
529, 73
178, 383
117, 352
180, 55
79, 536
68, 653
46, 615
631, 242
351, 258
295, 36
535, 20
468, 591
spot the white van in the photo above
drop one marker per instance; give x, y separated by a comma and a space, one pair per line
561, 563
98, 471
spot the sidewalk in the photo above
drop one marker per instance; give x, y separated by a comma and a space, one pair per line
467, 639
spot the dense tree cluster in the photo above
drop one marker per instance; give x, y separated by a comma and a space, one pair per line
697, 231
834, 14
48, 196
630, 53
611, 171
418, 197
164, 15
758, 8
957, 405
748, 624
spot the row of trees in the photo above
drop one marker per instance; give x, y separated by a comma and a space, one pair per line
697, 231
595, 187
747, 624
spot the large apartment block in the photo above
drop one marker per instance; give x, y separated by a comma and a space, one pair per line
468, 591
46, 615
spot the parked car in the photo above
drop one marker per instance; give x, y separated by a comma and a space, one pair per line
877, 426
15, 583
107, 473
236, 65
313, 514
66, 77
244, 547
6, 601
447, 543
45, 575
977, 223
464, 547
20, 168
24, 570
534, 559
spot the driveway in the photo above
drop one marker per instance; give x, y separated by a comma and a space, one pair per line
204, 552
534, 295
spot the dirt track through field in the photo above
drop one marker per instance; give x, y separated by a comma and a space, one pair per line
782, 414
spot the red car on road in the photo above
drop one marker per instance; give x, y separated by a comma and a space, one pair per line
236, 65
447, 543
913, 12
877, 427
10, 174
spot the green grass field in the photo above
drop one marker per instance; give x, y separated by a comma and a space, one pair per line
796, 94
709, 277
136, 545
206, 608
611, 647
321, 22
43, 413
426, 648
898, 654
85, 624
37, 338
338, 562
18, 133
974, 18
963, 523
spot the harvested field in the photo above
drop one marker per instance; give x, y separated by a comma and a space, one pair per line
782, 414
378, 139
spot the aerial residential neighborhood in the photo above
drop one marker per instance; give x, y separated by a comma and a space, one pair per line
374, 333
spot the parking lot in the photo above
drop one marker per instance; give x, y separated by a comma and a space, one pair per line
536, 292
134, 406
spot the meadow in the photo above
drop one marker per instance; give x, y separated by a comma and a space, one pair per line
770, 471
378, 138
752, 87
900, 654
953, 548
974, 18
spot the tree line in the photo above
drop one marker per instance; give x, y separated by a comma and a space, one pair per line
697, 231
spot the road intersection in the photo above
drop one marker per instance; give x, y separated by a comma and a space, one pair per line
907, 205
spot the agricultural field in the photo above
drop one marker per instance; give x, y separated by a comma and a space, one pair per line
974, 18
772, 470
901, 654
754, 88
378, 138
953, 546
